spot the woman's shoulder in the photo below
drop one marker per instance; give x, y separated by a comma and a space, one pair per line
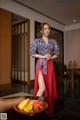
52, 40
38, 39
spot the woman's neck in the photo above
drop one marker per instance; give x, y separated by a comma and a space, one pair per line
45, 38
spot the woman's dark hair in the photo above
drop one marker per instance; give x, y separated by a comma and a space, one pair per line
42, 25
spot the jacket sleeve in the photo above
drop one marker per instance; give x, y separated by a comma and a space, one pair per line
56, 49
33, 48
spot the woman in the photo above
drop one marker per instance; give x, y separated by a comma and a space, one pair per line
46, 50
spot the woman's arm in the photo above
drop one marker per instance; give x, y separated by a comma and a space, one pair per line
47, 56
54, 57
38, 56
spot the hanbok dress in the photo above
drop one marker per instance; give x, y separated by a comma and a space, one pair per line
46, 67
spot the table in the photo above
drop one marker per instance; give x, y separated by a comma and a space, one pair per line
72, 71
13, 115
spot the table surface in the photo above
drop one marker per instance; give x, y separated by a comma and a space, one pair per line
13, 115
17, 94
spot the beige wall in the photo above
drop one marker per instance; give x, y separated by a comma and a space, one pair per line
73, 46
5, 47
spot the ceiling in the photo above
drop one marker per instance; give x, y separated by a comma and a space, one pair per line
63, 11
17, 19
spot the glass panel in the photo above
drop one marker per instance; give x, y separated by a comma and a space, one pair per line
19, 29
15, 29
20, 49
22, 60
26, 52
22, 28
26, 27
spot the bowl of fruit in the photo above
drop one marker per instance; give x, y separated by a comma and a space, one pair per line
31, 107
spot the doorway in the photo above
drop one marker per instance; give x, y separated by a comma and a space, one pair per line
20, 53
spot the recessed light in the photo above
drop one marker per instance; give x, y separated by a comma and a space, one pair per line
74, 20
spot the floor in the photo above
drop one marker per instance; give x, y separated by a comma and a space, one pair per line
71, 102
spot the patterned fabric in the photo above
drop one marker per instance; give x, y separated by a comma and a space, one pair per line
50, 94
39, 46
42, 48
42, 64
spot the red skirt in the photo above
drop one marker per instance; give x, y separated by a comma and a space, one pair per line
50, 93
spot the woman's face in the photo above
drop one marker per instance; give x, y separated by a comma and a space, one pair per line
46, 30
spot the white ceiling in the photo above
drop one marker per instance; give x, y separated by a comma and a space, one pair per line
63, 11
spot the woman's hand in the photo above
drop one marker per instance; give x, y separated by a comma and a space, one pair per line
48, 56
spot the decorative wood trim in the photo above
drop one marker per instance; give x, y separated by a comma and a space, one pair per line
31, 82
5, 87
28, 57
20, 82
21, 35
24, 82
5, 47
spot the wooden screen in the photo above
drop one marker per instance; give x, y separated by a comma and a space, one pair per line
20, 52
